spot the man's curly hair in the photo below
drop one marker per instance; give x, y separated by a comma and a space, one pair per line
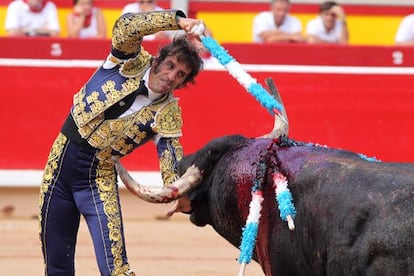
185, 52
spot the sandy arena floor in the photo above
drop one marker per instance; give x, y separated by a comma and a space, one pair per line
155, 246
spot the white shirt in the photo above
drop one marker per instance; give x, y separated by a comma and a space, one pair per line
264, 21
141, 100
19, 16
316, 28
405, 31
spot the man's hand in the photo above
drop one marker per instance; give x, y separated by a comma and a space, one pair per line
297, 37
193, 27
339, 11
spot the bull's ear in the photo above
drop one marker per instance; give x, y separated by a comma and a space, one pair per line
182, 205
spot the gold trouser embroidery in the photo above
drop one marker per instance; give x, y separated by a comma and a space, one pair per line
107, 188
49, 173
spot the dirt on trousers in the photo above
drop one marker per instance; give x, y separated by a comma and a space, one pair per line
155, 246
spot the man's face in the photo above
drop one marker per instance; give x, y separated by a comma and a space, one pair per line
329, 19
85, 6
169, 75
280, 9
146, 5
35, 4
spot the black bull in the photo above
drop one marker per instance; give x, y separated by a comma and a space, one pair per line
354, 216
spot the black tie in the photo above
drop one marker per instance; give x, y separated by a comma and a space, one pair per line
142, 89
120, 107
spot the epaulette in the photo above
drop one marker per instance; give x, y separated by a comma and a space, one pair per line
167, 120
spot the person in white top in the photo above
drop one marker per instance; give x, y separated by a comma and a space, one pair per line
277, 25
405, 32
86, 21
148, 6
32, 18
329, 27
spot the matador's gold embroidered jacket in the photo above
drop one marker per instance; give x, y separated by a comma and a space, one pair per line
109, 85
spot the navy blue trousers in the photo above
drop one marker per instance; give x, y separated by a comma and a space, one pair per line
75, 183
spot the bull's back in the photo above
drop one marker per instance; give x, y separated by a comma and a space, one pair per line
356, 213
354, 216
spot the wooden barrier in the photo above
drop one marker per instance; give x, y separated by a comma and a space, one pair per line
356, 98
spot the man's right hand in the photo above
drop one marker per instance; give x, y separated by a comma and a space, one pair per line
339, 11
191, 26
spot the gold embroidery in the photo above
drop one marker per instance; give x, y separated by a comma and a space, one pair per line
116, 126
145, 115
111, 132
167, 121
92, 98
51, 166
123, 270
49, 173
123, 134
121, 146
82, 116
179, 153
127, 37
86, 130
135, 134
105, 155
79, 108
167, 161
128, 30
110, 91
106, 184
136, 66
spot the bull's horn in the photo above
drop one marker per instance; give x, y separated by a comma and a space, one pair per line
165, 194
281, 125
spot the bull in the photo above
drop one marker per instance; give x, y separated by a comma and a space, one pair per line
354, 216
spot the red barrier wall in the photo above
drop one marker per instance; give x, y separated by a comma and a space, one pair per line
253, 6
368, 109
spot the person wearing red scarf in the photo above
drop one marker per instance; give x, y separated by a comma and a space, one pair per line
86, 21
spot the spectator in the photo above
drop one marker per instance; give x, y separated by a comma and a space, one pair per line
147, 6
330, 26
86, 21
277, 25
405, 32
32, 18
